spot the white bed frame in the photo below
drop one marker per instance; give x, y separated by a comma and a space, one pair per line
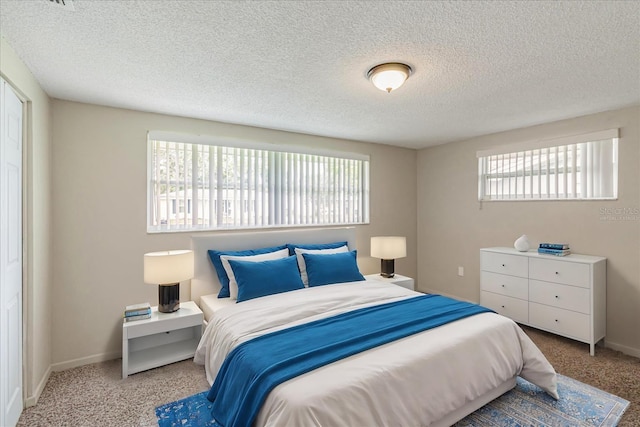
205, 280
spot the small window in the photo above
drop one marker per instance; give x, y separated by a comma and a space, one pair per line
583, 167
222, 184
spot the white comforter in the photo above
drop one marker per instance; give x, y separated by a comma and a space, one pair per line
413, 381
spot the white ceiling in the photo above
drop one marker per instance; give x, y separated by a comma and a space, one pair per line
479, 67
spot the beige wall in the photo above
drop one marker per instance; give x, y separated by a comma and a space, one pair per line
453, 225
99, 216
37, 214
90, 158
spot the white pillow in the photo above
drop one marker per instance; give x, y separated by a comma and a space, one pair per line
303, 267
233, 285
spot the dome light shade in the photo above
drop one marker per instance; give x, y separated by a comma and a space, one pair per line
390, 76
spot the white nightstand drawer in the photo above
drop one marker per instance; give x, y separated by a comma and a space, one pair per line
512, 265
513, 308
565, 322
164, 322
569, 273
561, 296
517, 287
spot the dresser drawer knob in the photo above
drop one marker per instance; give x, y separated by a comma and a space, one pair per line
556, 320
503, 286
503, 266
556, 296
503, 306
556, 272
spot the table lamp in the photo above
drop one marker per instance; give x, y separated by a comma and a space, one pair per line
388, 248
167, 269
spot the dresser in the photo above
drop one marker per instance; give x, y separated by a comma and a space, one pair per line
563, 295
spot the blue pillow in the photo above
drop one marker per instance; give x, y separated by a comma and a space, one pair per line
332, 268
292, 247
214, 256
258, 279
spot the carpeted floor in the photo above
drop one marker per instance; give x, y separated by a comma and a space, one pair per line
608, 370
96, 395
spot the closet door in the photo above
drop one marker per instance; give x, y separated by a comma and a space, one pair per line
10, 256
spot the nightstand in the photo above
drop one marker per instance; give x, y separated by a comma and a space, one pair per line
164, 338
398, 279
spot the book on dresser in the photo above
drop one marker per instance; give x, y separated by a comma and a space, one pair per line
562, 295
560, 246
556, 252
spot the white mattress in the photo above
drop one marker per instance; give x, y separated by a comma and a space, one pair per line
209, 304
418, 380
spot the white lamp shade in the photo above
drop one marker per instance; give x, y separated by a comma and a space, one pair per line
389, 247
168, 267
389, 77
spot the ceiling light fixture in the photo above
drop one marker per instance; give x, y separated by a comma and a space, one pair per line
389, 76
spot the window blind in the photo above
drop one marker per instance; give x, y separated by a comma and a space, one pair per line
569, 168
237, 186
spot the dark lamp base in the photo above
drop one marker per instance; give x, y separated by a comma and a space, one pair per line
169, 298
386, 268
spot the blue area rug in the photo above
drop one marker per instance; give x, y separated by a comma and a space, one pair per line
580, 405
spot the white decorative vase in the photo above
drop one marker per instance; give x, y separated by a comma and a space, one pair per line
522, 243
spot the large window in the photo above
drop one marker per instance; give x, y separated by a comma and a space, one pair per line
199, 183
570, 168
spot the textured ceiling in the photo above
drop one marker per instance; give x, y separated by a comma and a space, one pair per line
479, 67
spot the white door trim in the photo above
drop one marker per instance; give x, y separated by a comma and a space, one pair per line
11, 255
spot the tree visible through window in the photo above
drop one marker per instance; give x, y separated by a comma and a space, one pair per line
218, 187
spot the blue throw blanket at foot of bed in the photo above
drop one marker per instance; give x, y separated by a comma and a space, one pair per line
256, 367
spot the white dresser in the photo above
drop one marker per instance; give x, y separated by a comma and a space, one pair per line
564, 295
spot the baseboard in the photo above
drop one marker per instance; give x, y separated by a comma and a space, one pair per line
63, 366
433, 291
32, 400
623, 348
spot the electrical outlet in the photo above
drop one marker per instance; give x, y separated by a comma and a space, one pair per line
460, 271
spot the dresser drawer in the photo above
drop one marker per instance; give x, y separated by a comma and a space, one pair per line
561, 296
564, 322
517, 287
568, 273
512, 265
512, 308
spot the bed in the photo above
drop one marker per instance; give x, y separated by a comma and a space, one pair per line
435, 377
